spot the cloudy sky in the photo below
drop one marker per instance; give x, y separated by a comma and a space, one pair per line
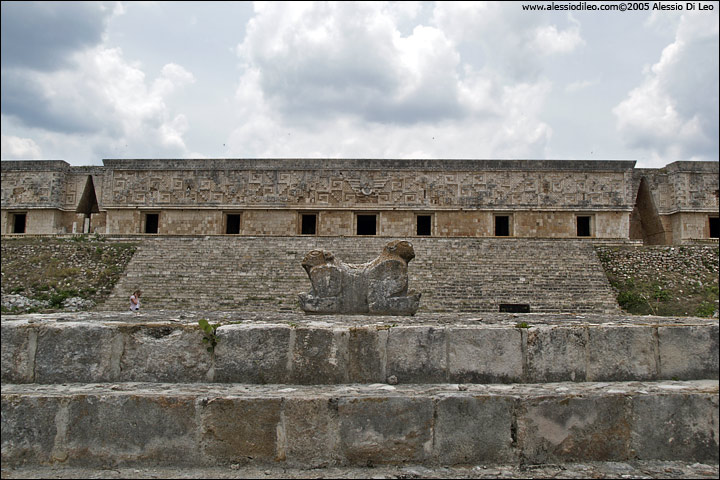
87, 81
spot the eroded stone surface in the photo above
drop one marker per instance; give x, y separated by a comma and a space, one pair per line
214, 424
301, 349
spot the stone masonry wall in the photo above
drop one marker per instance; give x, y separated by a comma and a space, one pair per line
542, 198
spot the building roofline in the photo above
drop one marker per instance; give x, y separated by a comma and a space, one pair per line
367, 164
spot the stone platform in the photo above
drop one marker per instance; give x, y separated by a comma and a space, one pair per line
288, 348
354, 424
285, 389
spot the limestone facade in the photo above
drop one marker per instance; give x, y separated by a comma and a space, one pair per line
347, 197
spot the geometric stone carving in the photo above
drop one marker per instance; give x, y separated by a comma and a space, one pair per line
379, 287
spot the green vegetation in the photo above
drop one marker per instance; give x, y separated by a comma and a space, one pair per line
666, 298
210, 337
665, 281
49, 270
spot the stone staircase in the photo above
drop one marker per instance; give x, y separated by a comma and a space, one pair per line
111, 390
454, 275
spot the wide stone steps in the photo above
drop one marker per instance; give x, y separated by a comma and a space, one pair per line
301, 350
123, 389
462, 275
117, 424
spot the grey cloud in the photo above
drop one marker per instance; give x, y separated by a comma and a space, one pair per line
43, 35
693, 83
309, 83
27, 101
685, 79
353, 68
370, 98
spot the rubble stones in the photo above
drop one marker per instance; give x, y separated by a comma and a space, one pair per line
71, 274
585, 470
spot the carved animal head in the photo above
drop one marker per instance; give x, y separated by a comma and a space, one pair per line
401, 248
315, 258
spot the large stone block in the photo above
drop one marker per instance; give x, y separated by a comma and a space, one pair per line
367, 355
621, 353
252, 354
164, 354
28, 429
417, 354
77, 352
19, 345
675, 426
319, 356
375, 430
477, 429
133, 429
240, 430
574, 429
311, 432
484, 355
688, 352
556, 354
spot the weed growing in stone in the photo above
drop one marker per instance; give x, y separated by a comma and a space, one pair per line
210, 338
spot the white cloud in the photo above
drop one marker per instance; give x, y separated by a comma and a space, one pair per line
341, 80
673, 113
112, 103
580, 85
511, 43
173, 77
550, 40
19, 148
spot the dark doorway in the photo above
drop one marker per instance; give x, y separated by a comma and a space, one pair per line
151, 223
515, 307
714, 227
502, 226
424, 225
645, 223
233, 224
19, 221
366, 225
583, 226
88, 203
308, 224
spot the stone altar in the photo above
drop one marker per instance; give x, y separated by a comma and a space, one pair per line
379, 287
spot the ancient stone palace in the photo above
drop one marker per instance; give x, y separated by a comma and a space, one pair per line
347, 197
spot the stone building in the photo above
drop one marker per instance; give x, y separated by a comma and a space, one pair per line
610, 200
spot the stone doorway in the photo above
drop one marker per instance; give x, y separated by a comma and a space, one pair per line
88, 204
645, 223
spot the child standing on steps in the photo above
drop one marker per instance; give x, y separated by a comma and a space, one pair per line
135, 301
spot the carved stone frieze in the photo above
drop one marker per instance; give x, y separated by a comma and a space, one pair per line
350, 188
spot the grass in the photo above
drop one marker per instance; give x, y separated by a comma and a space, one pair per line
51, 270
664, 281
